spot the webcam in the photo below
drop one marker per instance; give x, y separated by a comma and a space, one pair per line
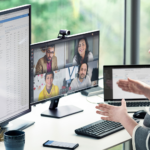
63, 32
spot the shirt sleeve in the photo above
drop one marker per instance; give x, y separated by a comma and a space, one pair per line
41, 96
141, 138
146, 121
39, 67
57, 90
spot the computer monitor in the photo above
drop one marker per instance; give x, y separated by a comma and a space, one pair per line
64, 66
15, 40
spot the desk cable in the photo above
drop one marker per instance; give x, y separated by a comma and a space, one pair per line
100, 78
93, 102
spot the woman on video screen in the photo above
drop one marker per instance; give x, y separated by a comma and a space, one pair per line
83, 55
50, 90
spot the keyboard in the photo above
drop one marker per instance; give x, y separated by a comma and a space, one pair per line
131, 104
100, 128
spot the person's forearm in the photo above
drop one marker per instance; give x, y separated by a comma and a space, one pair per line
147, 92
128, 123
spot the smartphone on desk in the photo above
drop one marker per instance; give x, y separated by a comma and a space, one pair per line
62, 145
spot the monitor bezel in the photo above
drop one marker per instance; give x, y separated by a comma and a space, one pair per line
11, 10
68, 38
124, 66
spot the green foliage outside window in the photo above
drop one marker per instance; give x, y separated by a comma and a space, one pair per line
49, 16
144, 32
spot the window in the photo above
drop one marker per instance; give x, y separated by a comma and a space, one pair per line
49, 16
144, 32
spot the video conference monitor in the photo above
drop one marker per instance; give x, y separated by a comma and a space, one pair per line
15, 40
64, 66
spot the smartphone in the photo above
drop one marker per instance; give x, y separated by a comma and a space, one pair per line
62, 145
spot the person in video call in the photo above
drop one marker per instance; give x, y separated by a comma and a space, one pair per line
50, 90
83, 80
83, 55
140, 135
48, 62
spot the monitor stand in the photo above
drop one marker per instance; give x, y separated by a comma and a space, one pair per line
17, 124
59, 112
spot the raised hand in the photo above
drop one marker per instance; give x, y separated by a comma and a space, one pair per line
112, 113
117, 114
133, 86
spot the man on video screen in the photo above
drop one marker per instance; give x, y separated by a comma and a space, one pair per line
47, 63
83, 80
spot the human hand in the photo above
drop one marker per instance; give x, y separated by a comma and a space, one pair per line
112, 113
133, 86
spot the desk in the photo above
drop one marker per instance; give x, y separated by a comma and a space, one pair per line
63, 129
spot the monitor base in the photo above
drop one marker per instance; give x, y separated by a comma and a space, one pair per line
18, 125
62, 111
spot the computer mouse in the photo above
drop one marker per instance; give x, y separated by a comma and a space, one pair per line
139, 114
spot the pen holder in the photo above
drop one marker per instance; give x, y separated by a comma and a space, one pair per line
14, 140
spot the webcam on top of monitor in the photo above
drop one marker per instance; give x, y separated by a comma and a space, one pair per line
63, 32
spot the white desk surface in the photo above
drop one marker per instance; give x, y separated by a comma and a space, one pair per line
62, 130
